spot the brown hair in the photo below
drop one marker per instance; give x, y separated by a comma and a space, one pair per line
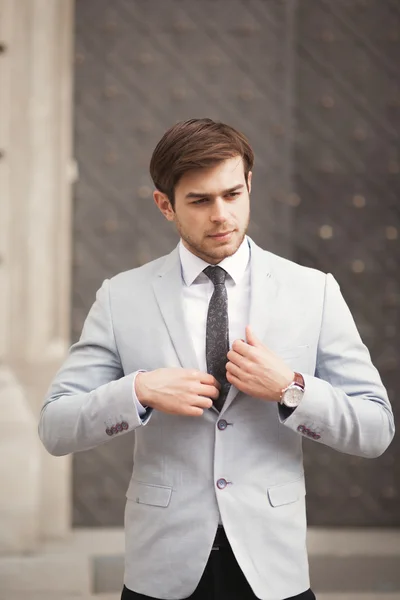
195, 144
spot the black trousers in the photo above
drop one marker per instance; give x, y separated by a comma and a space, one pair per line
222, 579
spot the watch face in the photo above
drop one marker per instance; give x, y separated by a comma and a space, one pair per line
292, 397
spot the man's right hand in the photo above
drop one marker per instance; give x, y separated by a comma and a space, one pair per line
177, 391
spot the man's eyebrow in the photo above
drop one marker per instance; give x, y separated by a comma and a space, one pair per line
224, 193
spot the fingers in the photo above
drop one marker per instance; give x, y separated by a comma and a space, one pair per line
208, 379
233, 369
198, 406
203, 402
209, 391
242, 348
238, 359
235, 381
193, 411
247, 348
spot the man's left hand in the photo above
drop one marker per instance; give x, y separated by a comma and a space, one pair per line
256, 370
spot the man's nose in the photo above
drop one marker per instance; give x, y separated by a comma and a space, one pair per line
219, 211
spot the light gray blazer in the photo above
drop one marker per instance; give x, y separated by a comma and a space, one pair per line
173, 501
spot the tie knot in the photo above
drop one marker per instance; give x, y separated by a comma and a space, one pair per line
216, 274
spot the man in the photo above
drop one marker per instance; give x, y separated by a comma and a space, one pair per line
222, 357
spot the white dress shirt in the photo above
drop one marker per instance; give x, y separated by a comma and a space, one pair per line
197, 292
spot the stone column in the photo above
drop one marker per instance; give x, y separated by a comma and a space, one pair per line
35, 203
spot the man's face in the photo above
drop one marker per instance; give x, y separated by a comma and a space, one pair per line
212, 209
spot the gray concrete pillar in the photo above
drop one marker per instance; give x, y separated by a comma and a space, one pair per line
36, 68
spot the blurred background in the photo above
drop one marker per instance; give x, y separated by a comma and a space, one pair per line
87, 88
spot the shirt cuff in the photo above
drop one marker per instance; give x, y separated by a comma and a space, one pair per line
142, 410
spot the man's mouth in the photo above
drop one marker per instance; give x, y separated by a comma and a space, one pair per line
221, 235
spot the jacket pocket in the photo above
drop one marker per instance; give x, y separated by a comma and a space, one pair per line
287, 493
149, 493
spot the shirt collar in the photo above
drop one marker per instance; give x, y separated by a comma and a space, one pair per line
235, 265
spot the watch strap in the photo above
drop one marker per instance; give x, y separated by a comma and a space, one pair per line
299, 379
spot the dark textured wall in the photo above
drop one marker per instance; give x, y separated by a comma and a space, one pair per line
315, 87
346, 176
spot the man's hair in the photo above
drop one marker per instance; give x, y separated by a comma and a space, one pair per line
196, 144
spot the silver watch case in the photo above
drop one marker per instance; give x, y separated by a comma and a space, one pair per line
292, 396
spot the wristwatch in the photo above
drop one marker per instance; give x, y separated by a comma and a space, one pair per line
293, 394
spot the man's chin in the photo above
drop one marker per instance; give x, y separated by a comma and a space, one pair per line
222, 249
213, 251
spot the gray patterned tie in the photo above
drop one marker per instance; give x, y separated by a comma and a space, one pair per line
217, 333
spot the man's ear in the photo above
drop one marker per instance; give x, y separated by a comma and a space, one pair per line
164, 205
249, 177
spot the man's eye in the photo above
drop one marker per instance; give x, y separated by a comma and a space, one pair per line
201, 201
232, 195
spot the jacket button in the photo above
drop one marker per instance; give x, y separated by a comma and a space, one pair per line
119, 427
125, 425
114, 429
221, 484
222, 425
301, 428
108, 431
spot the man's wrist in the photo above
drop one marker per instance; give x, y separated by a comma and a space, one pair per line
140, 390
288, 382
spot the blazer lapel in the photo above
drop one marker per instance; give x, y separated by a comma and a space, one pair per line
167, 287
263, 293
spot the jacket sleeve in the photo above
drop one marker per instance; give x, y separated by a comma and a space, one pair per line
90, 400
345, 405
